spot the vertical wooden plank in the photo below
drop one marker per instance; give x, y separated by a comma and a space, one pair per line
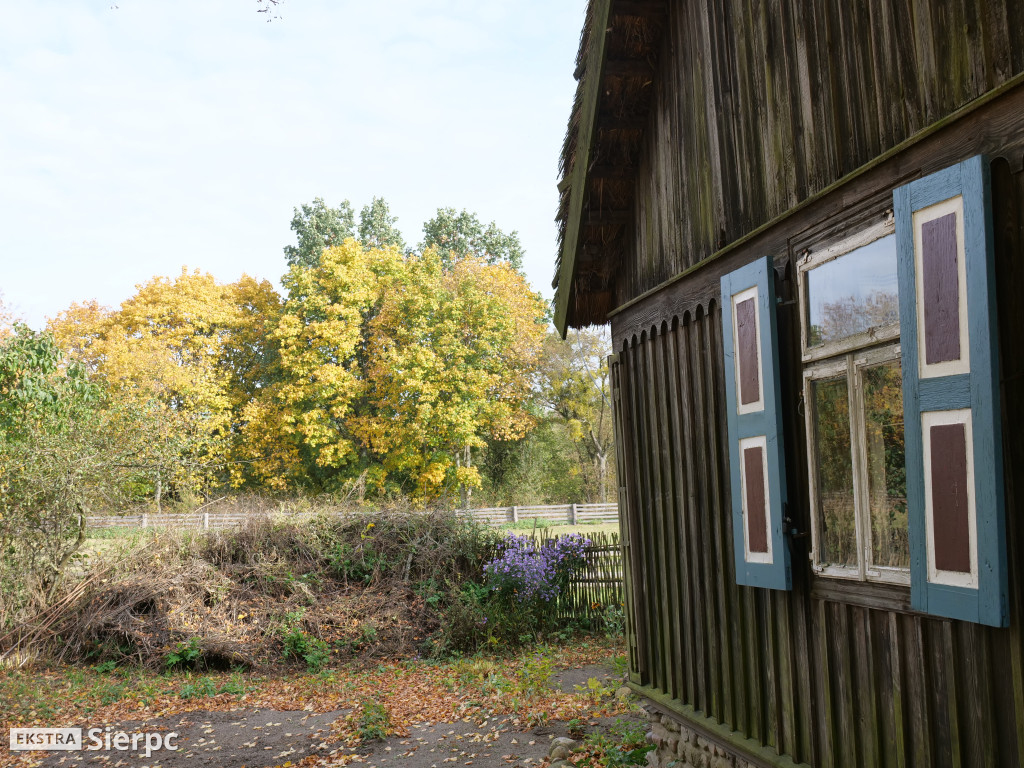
827, 720
639, 532
627, 511
712, 388
662, 608
979, 743
667, 558
920, 722
789, 742
753, 620
647, 517
805, 680
894, 649
707, 515
769, 663
865, 693
695, 561
687, 616
672, 459
949, 658
852, 751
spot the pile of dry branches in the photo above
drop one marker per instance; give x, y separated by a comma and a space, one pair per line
368, 585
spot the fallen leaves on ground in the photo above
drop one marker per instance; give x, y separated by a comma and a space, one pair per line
414, 692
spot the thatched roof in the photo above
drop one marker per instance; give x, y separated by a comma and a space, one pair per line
615, 68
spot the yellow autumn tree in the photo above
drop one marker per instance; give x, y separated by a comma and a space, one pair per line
450, 358
185, 352
392, 369
296, 431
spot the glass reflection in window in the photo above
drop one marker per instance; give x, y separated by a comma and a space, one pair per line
886, 465
834, 460
853, 293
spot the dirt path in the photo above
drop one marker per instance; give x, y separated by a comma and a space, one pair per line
262, 738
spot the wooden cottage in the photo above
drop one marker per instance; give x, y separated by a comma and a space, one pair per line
804, 222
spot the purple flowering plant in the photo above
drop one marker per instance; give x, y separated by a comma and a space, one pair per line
528, 572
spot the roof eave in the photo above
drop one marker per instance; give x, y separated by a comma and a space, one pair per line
588, 121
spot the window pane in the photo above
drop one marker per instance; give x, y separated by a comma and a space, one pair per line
836, 517
853, 293
887, 476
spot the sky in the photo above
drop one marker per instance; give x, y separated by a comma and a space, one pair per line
138, 136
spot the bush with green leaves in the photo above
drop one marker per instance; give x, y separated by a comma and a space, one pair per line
312, 650
54, 466
374, 722
625, 744
184, 654
68, 449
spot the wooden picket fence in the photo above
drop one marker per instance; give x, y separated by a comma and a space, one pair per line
565, 514
596, 593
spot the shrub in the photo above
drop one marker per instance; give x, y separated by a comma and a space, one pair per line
184, 654
527, 572
625, 745
526, 578
374, 722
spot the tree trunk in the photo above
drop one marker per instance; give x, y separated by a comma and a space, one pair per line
465, 492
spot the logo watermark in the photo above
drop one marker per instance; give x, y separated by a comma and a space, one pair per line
93, 739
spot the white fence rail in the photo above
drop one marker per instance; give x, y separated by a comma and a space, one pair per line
565, 514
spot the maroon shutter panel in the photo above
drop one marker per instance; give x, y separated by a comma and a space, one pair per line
753, 475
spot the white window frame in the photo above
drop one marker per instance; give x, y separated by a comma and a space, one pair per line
814, 259
847, 357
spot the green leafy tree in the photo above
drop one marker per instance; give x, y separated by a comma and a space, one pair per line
63, 453
573, 385
317, 226
377, 226
460, 235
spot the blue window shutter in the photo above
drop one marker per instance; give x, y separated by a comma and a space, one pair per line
756, 454
948, 338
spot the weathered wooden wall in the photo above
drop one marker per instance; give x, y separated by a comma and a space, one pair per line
761, 105
832, 673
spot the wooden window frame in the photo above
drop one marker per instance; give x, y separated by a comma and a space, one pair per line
848, 357
816, 259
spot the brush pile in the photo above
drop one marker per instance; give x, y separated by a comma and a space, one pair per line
368, 586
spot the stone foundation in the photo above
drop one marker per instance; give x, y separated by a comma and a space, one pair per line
679, 747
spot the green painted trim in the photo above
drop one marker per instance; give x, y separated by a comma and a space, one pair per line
924, 133
588, 121
712, 730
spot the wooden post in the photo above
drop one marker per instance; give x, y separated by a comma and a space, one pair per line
572, 514
206, 521
515, 514
145, 519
